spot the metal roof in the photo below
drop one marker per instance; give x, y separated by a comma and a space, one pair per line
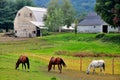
39, 24
38, 12
91, 19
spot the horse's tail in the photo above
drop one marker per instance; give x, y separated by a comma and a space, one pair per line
104, 66
28, 64
62, 62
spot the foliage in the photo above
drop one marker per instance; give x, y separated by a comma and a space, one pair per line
8, 10
109, 10
59, 15
54, 19
7, 14
80, 6
68, 11
22, 3
100, 35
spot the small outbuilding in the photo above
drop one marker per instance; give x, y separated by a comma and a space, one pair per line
29, 22
94, 24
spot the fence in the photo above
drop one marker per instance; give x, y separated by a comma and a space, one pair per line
112, 64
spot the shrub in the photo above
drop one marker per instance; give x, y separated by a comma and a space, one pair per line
53, 78
100, 35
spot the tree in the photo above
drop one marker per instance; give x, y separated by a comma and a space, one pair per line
69, 12
7, 14
109, 10
8, 10
76, 24
57, 16
22, 3
54, 18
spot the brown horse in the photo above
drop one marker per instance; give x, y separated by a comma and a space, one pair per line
56, 61
23, 59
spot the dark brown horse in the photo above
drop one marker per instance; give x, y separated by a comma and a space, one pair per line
56, 61
24, 60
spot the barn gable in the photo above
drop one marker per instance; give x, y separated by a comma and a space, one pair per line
29, 21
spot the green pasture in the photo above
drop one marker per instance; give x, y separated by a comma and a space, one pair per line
71, 43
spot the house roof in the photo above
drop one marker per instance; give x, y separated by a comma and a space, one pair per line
91, 19
38, 12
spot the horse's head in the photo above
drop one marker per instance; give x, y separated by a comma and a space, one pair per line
49, 67
87, 71
16, 66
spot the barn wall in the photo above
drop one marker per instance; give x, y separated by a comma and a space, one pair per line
22, 25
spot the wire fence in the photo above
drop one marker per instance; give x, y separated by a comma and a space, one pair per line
112, 65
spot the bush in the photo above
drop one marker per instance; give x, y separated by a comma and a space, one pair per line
100, 35
53, 78
45, 32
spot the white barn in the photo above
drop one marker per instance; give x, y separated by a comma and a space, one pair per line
94, 24
29, 22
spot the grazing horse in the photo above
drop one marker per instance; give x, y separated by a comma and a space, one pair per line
56, 61
96, 64
23, 59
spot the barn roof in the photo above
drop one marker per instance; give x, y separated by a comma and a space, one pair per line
91, 19
36, 8
39, 24
38, 12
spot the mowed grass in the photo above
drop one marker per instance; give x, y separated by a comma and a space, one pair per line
8, 72
42, 48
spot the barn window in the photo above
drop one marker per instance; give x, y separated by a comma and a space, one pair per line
34, 32
18, 14
31, 15
15, 31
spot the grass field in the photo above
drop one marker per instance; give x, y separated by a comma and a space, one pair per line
41, 49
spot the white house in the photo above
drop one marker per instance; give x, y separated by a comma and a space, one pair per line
94, 24
29, 21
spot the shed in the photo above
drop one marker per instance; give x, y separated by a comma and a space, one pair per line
94, 24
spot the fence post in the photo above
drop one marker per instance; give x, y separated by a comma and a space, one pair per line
80, 63
113, 66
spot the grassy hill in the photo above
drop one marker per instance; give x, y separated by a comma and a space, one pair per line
40, 49
70, 42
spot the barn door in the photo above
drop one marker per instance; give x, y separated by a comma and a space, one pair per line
38, 31
105, 29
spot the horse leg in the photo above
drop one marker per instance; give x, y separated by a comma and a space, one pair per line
53, 67
93, 70
59, 68
25, 65
100, 69
22, 65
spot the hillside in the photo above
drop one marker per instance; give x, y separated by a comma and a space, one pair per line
81, 6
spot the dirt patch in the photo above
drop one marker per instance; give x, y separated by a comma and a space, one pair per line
85, 54
4, 38
68, 74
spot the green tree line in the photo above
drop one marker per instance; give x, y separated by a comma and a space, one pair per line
8, 10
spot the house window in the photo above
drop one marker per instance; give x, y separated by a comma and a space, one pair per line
94, 26
31, 15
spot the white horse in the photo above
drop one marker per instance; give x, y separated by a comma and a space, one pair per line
96, 64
